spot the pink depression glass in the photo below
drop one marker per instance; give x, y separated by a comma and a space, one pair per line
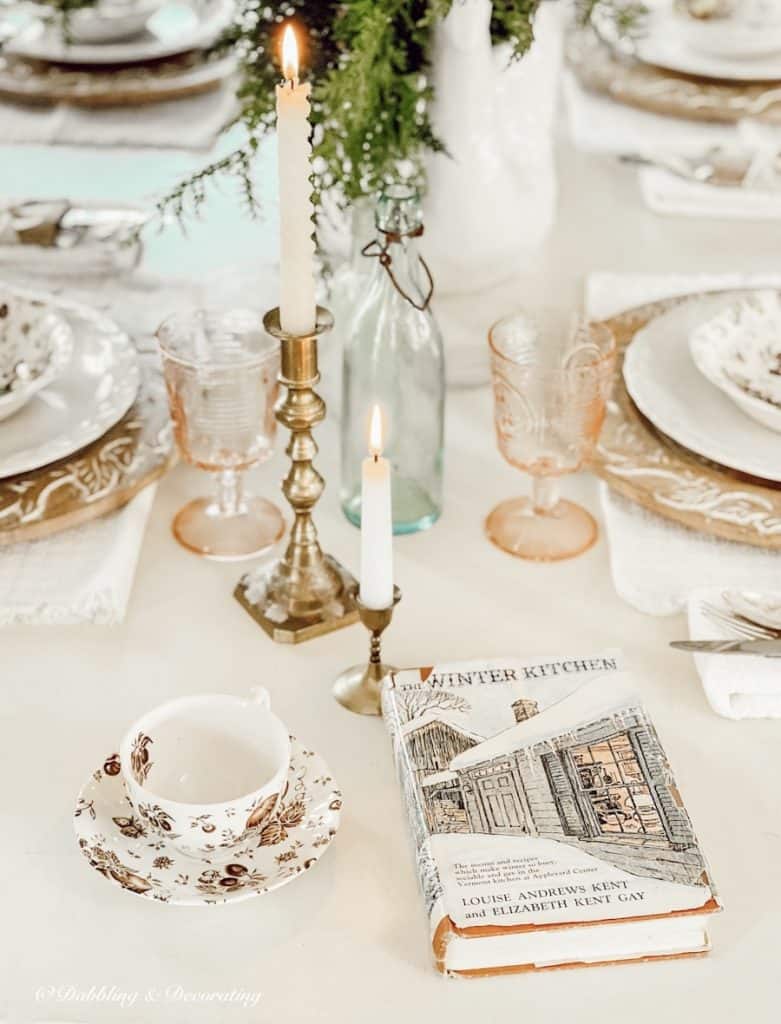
221, 372
551, 380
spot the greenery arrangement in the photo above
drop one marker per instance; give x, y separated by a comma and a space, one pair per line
368, 61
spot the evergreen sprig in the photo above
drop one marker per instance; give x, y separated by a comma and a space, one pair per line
513, 20
372, 103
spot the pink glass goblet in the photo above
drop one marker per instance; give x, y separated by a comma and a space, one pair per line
551, 381
221, 371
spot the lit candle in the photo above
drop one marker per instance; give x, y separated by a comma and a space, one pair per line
297, 307
376, 523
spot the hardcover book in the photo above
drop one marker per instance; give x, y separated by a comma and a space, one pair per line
549, 830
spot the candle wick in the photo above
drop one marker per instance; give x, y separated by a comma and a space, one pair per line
375, 456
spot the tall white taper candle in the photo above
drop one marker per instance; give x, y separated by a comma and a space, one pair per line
376, 523
297, 307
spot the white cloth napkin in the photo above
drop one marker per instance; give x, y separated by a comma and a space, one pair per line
667, 193
599, 124
193, 123
82, 575
657, 564
736, 686
660, 568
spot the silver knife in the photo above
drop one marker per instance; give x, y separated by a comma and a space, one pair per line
681, 167
764, 648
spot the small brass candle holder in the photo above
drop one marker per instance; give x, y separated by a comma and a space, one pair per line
306, 593
358, 688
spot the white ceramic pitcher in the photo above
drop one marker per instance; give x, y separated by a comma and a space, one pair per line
491, 196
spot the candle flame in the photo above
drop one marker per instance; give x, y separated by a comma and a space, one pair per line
290, 55
375, 432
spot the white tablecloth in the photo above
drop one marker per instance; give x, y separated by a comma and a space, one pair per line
348, 941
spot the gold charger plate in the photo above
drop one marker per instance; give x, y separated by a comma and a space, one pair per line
37, 82
599, 68
642, 464
101, 477
97, 480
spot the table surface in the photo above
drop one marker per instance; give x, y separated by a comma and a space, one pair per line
348, 941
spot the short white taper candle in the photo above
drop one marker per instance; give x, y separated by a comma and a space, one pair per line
376, 522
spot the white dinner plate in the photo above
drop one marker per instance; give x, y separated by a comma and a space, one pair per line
175, 28
664, 45
670, 391
92, 393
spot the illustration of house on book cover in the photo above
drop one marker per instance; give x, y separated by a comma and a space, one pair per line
603, 785
606, 784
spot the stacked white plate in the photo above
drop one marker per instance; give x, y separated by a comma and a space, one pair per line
744, 47
701, 407
122, 32
95, 385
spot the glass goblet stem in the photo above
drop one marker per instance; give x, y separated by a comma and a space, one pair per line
230, 492
545, 494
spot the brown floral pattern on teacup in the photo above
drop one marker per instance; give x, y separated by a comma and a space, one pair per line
83, 805
130, 827
272, 834
213, 882
158, 818
292, 814
204, 823
288, 816
262, 811
108, 864
140, 763
111, 765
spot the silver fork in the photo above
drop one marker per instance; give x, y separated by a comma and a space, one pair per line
736, 624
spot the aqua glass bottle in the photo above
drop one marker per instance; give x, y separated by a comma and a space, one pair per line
394, 358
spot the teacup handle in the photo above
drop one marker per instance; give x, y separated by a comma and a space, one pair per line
260, 695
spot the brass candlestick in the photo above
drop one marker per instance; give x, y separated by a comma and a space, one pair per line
306, 593
358, 688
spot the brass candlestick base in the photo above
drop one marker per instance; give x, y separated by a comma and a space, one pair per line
358, 688
307, 593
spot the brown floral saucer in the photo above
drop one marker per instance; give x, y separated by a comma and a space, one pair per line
119, 844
